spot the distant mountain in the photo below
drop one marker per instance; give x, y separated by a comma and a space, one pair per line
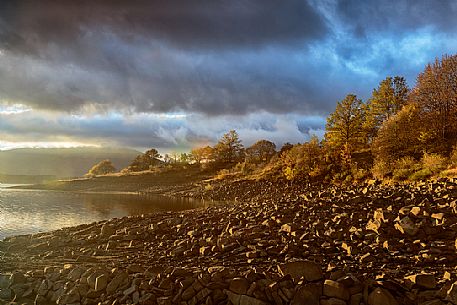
61, 162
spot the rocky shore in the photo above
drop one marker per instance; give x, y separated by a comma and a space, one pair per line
374, 244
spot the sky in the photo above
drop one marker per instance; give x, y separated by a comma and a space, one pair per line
175, 75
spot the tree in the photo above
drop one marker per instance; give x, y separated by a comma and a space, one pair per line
174, 157
390, 96
345, 126
399, 136
261, 151
102, 168
303, 161
184, 158
435, 94
145, 161
202, 154
285, 147
229, 148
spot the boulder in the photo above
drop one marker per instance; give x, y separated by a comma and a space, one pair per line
422, 280
4, 281
116, 282
107, 230
239, 285
308, 270
336, 290
305, 296
101, 282
452, 294
381, 296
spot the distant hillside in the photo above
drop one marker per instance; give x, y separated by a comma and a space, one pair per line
61, 162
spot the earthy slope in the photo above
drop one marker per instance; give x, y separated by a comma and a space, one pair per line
162, 181
369, 245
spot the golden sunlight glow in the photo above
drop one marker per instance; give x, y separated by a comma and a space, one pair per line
8, 109
6, 145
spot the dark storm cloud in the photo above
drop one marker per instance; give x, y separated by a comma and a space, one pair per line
154, 56
397, 16
193, 23
213, 57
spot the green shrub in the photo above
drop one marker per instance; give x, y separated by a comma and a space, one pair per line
434, 163
381, 169
402, 173
222, 174
404, 168
359, 174
423, 174
449, 173
245, 168
348, 180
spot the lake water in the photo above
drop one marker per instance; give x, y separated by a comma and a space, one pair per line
32, 211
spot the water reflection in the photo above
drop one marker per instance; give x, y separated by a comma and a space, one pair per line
31, 211
134, 204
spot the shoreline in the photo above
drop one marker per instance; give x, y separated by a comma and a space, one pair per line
329, 245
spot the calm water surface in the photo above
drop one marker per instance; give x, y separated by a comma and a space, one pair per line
32, 211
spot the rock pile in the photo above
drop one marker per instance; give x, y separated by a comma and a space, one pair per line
372, 245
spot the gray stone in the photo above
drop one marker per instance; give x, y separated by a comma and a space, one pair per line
75, 274
239, 285
247, 300
17, 278
335, 289
107, 230
101, 282
333, 301
381, 296
305, 296
5, 280
6, 294
407, 226
422, 280
233, 297
117, 281
70, 297
452, 294
310, 271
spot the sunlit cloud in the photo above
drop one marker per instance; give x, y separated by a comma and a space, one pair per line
6, 145
144, 130
7, 109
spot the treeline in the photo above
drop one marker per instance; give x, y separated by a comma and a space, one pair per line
399, 133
